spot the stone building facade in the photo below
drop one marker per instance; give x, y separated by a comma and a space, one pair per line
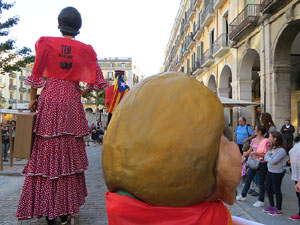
247, 50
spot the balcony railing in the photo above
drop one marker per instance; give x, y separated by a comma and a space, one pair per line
12, 87
22, 78
271, 6
191, 41
219, 3
186, 49
197, 3
186, 25
88, 101
22, 89
221, 45
12, 75
199, 29
182, 29
208, 14
208, 57
12, 100
197, 68
244, 22
191, 12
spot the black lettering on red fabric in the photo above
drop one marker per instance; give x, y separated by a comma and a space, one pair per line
66, 52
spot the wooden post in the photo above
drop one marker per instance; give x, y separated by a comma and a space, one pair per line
1, 159
11, 147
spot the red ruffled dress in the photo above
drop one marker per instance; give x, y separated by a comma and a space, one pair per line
55, 181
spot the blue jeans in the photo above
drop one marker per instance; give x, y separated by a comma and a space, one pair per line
5, 147
261, 173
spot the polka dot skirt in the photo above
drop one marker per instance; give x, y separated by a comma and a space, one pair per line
55, 182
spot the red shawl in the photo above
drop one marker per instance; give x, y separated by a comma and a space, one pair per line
123, 210
65, 59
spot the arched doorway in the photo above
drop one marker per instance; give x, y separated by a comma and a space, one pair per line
88, 110
284, 90
225, 90
248, 80
212, 83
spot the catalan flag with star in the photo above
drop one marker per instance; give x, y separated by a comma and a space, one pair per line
120, 89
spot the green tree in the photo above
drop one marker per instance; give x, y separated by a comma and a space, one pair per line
100, 98
11, 57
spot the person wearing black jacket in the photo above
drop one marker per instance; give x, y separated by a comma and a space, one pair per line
287, 131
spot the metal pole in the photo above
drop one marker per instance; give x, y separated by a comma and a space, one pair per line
11, 147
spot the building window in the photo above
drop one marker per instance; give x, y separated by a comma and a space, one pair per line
21, 97
110, 65
212, 39
110, 75
11, 95
123, 65
11, 81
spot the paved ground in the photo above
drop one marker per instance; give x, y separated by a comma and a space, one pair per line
289, 205
94, 213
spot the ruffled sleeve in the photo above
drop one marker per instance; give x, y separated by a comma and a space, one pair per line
35, 82
100, 83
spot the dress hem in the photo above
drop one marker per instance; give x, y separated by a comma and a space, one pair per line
53, 178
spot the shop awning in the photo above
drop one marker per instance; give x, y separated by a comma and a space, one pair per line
231, 103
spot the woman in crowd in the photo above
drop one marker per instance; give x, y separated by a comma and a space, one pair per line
5, 141
94, 133
275, 158
295, 165
13, 124
258, 149
54, 185
267, 122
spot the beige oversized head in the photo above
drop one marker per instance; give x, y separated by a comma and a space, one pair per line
162, 144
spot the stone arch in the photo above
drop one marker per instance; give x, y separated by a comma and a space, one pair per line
285, 74
283, 44
225, 90
89, 110
211, 83
224, 83
249, 57
249, 70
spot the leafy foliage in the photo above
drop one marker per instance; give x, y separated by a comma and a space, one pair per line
11, 58
100, 98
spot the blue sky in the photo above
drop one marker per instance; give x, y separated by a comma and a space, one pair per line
115, 28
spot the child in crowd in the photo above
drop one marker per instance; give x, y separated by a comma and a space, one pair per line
275, 158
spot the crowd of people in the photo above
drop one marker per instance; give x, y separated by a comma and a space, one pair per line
265, 154
97, 133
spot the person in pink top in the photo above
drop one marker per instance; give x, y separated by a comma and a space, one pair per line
259, 147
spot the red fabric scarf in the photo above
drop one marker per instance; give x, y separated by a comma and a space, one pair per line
65, 59
123, 210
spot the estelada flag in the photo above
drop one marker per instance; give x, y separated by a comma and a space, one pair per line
65, 59
123, 210
120, 89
